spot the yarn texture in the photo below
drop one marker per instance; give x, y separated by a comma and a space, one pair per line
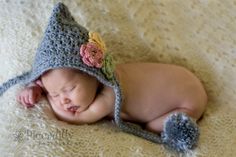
180, 132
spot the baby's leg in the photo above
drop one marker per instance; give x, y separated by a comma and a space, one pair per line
157, 124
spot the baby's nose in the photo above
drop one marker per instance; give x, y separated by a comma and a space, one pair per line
65, 100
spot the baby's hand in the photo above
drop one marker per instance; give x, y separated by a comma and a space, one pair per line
30, 95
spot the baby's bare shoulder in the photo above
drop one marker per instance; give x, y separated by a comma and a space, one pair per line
107, 95
104, 101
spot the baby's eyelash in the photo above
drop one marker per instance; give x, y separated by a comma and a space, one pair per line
70, 89
54, 96
65, 90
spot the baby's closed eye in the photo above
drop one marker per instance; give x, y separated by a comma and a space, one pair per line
54, 95
68, 89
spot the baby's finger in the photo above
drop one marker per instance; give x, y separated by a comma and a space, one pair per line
19, 99
27, 99
31, 98
23, 101
26, 104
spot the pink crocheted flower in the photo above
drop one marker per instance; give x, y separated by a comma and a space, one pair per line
91, 54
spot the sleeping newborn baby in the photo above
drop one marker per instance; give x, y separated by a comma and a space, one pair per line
149, 98
73, 68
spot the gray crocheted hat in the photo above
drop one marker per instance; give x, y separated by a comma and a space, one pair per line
68, 44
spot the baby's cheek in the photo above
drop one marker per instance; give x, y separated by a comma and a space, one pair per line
60, 112
55, 101
53, 104
58, 105
76, 98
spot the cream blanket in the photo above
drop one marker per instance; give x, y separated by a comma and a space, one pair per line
197, 34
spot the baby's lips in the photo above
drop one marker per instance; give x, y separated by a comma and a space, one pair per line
73, 108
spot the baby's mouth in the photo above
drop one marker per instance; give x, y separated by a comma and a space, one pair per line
73, 108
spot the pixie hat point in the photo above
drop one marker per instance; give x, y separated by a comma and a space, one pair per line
66, 44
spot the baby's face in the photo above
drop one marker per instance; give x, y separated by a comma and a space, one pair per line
69, 91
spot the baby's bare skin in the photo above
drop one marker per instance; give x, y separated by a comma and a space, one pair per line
151, 92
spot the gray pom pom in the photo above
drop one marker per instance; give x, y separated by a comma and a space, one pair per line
180, 133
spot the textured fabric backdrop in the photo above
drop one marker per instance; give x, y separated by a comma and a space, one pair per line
197, 34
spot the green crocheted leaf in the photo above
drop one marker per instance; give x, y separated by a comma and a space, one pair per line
108, 67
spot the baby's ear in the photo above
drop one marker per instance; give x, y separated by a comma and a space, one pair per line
39, 83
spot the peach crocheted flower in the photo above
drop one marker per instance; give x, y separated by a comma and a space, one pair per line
94, 37
91, 54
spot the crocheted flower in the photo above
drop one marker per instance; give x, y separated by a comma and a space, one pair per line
95, 38
108, 66
91, 54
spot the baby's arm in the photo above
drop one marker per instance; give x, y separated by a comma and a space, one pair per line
98, 110
31, 94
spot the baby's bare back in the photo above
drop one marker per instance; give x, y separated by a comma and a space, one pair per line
151, 90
